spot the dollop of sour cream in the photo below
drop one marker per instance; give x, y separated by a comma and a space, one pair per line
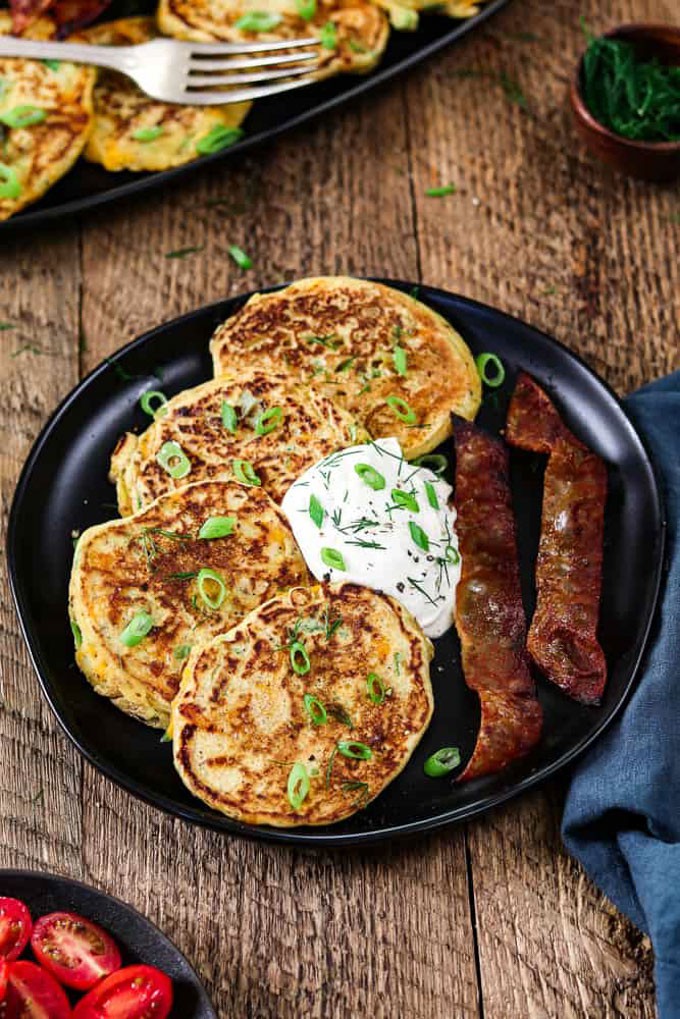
368, 516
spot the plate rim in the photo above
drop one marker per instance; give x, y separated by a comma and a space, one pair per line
309, 837
7, 873
37, 218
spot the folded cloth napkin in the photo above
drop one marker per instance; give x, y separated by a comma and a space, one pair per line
622, 814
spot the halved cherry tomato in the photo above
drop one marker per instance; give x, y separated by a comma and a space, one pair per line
74, 950
4, 973
33, 994
15, 928
135, 992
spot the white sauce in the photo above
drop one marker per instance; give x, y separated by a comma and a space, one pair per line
380, 541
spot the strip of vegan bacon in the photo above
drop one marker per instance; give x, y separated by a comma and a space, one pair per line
563, 633
489, 612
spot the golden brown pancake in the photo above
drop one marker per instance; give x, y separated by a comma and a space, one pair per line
150, 564
355, 31
241, 722
343, 336
51, 105
134, 132
279, 430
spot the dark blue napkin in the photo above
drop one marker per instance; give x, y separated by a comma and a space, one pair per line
622, 815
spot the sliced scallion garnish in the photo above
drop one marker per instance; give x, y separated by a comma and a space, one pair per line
137, 629
239, 256
174, 460
316, 510
206, 580
23, 116
154, 397
402, 409
299, 658
331, 557
452, 555
315, 709
328, 36
306, 9
374, 479
269, 420
218, 138
77, 634
418, 535
217, 527
400, 361
53, 65
298, 786
375, 688
431, 495
10, 186
229, 417
181, 652
497, 377
442, 762
435, 462
148, 134
245, 472
354, 750
257, 21
407, 500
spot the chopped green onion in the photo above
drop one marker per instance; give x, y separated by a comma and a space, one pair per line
181, 651
419, 537
344, 365
299, 658
242, 260
402, 409
375, 688
174, 460
269, 420
151, 397
23, 116
218, 138
316, 510
442, 192
434, 462
258, 21
77, 633
374, 479
497, 376
331, 557
229, 417
405, 499
148, 134
315, 709
298, 786
217, 527
328, 36
137, 629
452, 555
167, 735
442, 762
9, 182
245, 472
207, 577
53, 65
354, 750
306, 9
400, 362
431, 495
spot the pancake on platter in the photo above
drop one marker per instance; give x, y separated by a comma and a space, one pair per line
397, 366
145, 589
134, 132
306, 710
45, 120
259, 428
405, 14
353, 33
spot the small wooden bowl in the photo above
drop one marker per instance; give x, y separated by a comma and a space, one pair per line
648, 160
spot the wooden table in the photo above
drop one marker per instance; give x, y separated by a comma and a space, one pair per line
491, 919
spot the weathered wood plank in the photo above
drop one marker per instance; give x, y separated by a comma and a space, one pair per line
40, 822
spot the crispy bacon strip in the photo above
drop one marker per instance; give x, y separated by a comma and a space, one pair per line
489, 613
563, 633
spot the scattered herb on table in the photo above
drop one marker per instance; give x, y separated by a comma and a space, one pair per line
185, 252
442, 192
239, 256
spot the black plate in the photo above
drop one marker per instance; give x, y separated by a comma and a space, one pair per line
88, 185
64, 486
138, 939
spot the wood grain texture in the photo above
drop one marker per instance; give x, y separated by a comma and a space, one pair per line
491, 921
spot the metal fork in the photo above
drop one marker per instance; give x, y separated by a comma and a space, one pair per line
181, 72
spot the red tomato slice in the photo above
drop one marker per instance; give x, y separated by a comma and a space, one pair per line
74, 950
4, 973
33, 994
15, 928
135, 992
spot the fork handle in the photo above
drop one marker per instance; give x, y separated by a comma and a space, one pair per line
115, 57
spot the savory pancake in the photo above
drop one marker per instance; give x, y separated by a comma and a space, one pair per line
353, 32
396, 365
306, 709
146, 589
258, 428
134, 132
45, 118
